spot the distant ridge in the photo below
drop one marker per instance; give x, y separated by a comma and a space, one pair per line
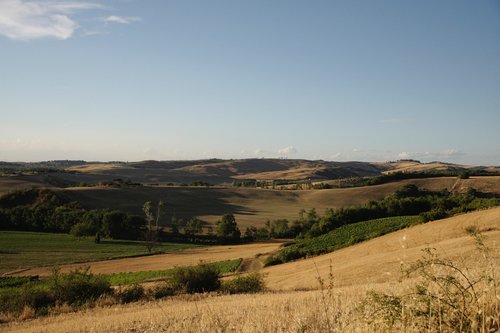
218, 171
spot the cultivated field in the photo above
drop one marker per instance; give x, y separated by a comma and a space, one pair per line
23, 250
187, 257
356, 270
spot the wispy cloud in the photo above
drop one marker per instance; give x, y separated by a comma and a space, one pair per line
288, 151
28, 19
445, 154
121, 19
24, 20
335, 156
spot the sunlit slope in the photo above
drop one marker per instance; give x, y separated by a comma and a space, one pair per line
380, 259
256, 206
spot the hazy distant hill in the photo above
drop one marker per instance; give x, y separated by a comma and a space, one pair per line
212, 171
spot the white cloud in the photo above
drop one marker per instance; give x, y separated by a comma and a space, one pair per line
445, 154
335, 156
357, 150
24, 20
121, 19
288, 150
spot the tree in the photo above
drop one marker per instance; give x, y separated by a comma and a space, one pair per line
150, 235
193, 226
113, 224
227, 228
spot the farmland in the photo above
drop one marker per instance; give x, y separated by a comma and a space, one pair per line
22, 250
356, 270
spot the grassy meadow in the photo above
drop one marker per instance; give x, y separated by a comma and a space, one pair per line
19, 250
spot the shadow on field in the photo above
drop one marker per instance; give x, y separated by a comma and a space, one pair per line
179, 202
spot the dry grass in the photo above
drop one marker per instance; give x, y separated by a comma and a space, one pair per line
270, 312
340, 306
327, 310
379, 260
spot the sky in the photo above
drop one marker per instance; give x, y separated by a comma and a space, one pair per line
335, 80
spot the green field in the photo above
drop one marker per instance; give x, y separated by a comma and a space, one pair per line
120, 279
344, 236
20, 250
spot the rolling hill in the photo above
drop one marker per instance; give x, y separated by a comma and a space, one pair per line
379, 260
294, 303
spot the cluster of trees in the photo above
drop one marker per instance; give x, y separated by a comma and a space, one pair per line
273, 229
44, 210
409, 200
48, 211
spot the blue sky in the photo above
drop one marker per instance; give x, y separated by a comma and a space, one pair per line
334, 80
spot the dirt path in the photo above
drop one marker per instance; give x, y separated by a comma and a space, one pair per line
168, 260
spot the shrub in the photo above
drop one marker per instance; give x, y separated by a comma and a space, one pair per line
78, 286
244, 284
82, 229
272, 260
36, 297
130, 294
435, 214
162, 290
196, 279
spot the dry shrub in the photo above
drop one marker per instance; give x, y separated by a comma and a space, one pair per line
27, 313
162, 290
446, 297
131, 293
106, 300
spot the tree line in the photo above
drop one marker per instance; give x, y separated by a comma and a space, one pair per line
44, 210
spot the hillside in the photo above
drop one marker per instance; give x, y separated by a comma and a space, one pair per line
373, 265
379, 260
213, 171
255, 206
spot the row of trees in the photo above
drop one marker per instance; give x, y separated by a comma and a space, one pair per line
408, 200
48, 211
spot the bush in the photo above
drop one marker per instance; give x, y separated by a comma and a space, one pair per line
130, 294
162, 290
252, 283
435, 214
196, 279
78, 286
36, 297
82, 229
